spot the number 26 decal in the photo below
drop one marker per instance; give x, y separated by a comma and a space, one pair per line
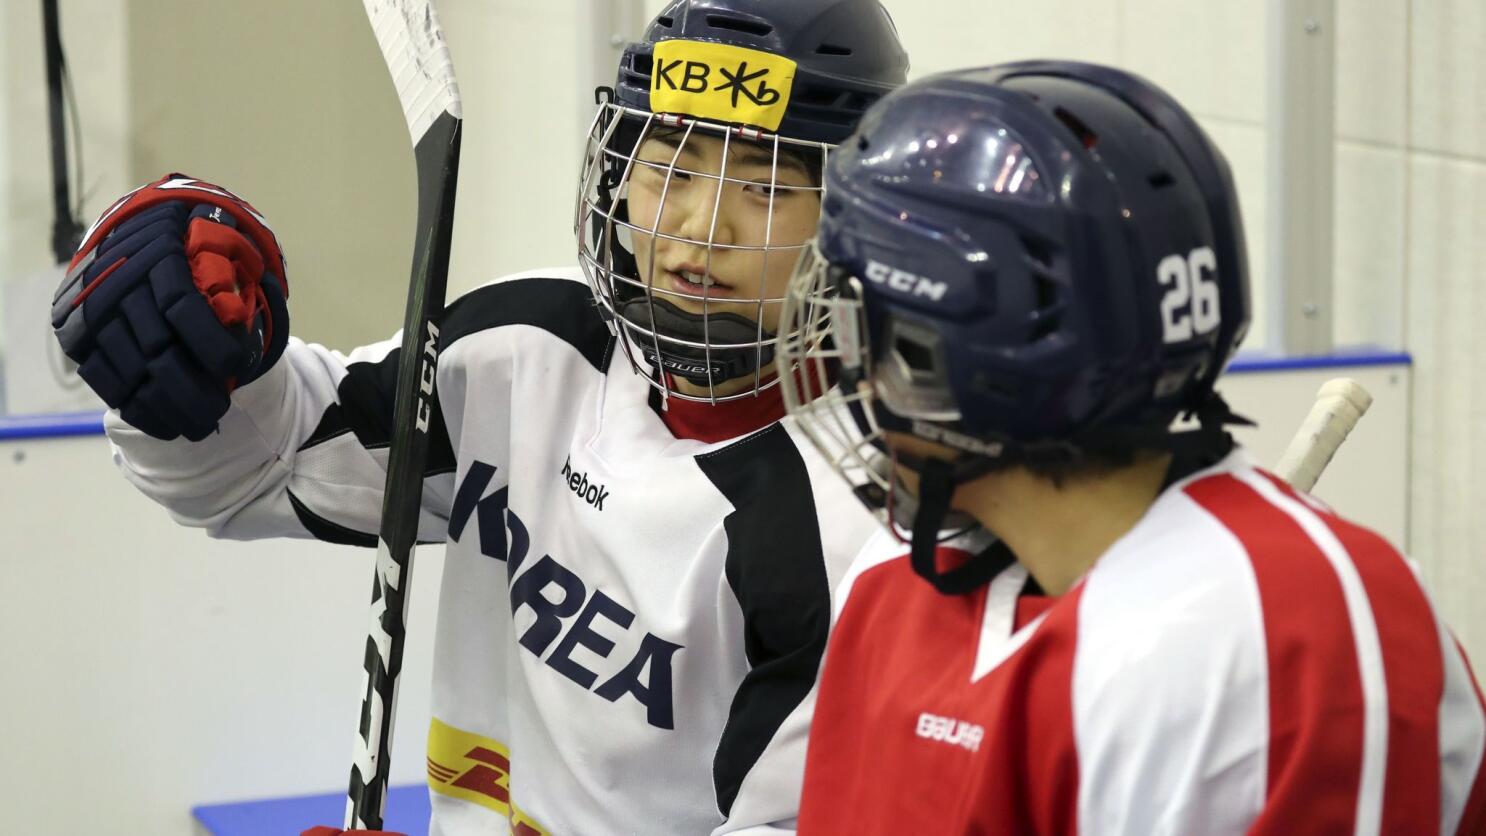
1190, 307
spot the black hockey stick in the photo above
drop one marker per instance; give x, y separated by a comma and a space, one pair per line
413, 47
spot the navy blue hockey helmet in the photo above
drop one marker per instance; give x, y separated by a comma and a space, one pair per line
841, 57
1031, 259
791, 78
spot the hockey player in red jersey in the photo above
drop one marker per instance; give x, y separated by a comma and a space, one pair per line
640, 553
1102, 623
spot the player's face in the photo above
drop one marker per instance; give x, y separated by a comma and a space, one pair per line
754, 203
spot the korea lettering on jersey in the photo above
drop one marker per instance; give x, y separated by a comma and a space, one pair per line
553, 593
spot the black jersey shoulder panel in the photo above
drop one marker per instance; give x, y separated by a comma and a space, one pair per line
561, 307
776, 569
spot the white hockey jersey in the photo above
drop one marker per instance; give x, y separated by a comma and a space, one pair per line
630, 624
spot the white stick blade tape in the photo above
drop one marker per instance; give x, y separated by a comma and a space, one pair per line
1339, 405
418, 57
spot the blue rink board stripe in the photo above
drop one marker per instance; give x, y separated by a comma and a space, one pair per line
1251, 362
408, 810
91, 423
59, 425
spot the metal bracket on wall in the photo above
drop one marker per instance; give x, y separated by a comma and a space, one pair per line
1301, 149
605, 28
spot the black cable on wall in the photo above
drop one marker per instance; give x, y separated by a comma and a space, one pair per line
66, 230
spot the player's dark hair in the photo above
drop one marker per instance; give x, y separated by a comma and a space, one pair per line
1088, 465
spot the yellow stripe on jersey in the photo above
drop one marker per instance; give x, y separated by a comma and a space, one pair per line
722, 83
472, 768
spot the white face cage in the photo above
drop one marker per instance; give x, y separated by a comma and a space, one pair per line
824, 342
830, 387
675, 327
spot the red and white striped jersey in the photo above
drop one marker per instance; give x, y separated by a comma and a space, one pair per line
1242, 661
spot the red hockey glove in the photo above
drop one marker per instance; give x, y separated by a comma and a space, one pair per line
176, 297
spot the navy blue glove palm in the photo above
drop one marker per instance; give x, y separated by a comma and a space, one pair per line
176, 298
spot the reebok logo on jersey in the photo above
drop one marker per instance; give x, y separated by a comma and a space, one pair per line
959, 733
578, 483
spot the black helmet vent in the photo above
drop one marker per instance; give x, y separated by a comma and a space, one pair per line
916, 355
1161, 180
1082, 131
735, 24
1049, 315
1038, 253
819, 97
832, 49
665, 21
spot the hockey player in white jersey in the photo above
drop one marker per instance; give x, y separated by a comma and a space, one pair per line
636, 593
1024, 274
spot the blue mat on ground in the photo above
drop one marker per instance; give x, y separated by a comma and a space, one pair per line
407, 812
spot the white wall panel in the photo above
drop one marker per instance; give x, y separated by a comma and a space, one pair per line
1369, 245
1210, 55
1446, 302
1244, 146
943, 36
1447, 75
93, 37
521, 158
1372, 74
148, 668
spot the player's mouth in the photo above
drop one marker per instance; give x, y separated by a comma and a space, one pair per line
694, 280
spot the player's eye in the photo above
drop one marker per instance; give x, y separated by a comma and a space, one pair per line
776, 192
657, 172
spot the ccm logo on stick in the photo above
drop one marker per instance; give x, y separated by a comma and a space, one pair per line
425, 379
905, 282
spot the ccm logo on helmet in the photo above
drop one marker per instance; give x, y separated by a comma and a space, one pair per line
904, 281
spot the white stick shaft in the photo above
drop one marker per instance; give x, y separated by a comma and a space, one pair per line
1339, 405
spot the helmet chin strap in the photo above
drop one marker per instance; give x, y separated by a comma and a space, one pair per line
698, 365
936, 487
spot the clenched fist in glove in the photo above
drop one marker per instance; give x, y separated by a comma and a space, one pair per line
176, 297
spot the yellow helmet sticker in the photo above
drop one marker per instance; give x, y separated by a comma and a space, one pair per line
722, 83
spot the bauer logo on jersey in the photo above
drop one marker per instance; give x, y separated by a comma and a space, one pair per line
959, 733
721, 82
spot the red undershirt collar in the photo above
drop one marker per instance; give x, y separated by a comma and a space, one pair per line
711, 423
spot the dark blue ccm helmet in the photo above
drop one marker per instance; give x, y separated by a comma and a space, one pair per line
1032, 262
1050, 255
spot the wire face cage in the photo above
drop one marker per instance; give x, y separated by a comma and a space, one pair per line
688, 232
824, 358
835, 386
